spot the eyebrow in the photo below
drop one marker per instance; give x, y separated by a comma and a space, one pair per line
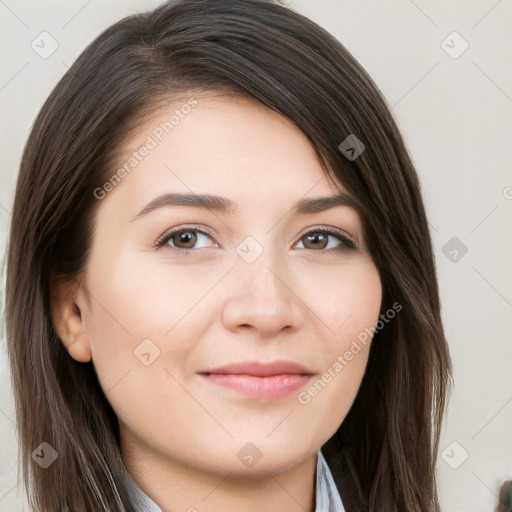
227, 206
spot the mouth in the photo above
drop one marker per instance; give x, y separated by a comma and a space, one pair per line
260, 380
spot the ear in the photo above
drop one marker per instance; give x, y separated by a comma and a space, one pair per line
67, 317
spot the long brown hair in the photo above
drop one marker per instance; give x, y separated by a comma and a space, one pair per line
383, 455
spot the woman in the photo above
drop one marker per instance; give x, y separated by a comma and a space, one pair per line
290, 355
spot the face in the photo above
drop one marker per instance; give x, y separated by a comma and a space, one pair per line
174, 291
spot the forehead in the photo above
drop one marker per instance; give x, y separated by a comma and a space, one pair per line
222, 142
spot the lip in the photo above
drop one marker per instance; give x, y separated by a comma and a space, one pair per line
262, 369
255, 379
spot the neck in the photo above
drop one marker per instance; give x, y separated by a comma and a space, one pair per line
175, 486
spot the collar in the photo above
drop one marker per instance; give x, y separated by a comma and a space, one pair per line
327, 496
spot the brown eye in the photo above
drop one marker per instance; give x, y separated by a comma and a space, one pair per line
316, 241
184, 239
187, 238
319, 240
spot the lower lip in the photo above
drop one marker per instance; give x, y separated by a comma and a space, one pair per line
274, 386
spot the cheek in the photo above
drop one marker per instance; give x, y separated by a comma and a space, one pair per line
151, 296
146, 316
348, 300
350, 314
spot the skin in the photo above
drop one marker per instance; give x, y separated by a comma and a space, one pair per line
296, 301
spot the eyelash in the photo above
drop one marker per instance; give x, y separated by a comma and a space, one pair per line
348, 244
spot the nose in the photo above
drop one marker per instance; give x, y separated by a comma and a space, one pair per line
262, 297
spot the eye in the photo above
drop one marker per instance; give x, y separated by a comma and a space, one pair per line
183, 239
319, 240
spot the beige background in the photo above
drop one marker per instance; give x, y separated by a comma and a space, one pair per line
456, 117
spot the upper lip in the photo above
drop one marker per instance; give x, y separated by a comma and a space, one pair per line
262, 369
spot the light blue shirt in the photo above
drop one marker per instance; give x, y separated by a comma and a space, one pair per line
327, 496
